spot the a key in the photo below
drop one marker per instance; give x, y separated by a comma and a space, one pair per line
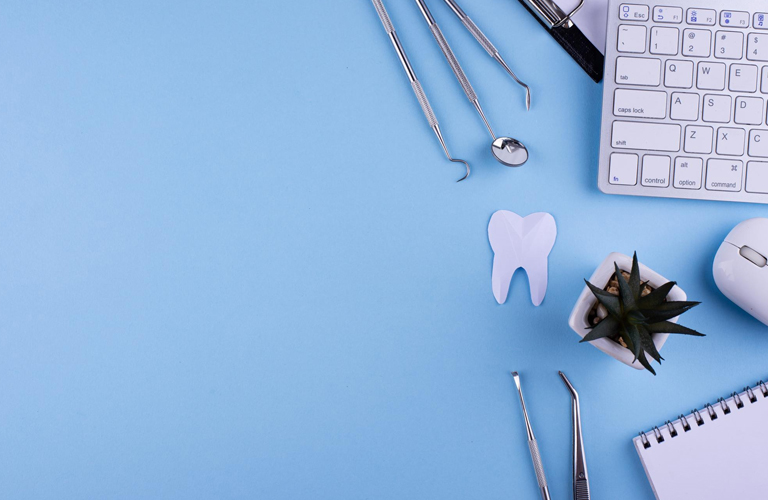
734, 19
655, 171
623, 169
729, 44
760, 21
646, 136
757, 177
758, 143
668, 14
631, 12
640, 103
711, 76
730, 141
665, 41
749, 110
632, 38
764, 86
698, 139
684, 106
638, 71
688, 173
743, 78
697, 43
679, 74
724, 175
757, 47
704, 17
717, 108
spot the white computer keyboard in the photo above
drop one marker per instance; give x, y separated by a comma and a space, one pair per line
684, 106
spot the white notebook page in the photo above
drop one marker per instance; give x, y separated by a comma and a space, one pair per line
726, 458
592, 19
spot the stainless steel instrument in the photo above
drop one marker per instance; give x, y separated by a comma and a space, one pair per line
507, 151
488, 46
535, 456
580, 476
417, 89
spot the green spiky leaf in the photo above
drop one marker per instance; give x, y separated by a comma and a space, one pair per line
634, 277
606, 328
626, 297
672, 328
610, 301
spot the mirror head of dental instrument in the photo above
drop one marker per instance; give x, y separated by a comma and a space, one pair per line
510, 152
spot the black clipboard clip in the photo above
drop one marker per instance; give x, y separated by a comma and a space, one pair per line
562, 28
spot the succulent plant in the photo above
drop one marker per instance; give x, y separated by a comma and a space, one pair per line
635, 318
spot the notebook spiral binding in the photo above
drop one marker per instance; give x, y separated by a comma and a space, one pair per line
735, 400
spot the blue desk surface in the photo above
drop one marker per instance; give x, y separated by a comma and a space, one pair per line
235, 264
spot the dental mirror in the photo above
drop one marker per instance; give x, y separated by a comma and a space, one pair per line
510, 152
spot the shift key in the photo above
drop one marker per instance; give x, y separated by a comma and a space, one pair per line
646, 136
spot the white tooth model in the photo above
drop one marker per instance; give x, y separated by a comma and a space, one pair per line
521, 242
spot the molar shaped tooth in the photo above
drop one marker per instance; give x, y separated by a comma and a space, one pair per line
521, 242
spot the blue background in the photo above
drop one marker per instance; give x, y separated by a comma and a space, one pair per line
235, 264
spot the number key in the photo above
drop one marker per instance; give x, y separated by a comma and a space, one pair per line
729, 45
698, 43
757, 47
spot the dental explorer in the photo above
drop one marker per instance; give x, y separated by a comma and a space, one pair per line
415, 84
535, 456
507, 151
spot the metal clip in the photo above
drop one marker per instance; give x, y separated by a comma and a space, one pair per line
551, 14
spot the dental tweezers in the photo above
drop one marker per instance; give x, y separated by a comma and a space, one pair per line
580, 476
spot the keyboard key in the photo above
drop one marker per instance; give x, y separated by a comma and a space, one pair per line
729, 45
704, 17
743, 78
697, 43
638, 71
730, 141
684, 106
631, 12
724, 175
656, 171
646, 136
717, 108
679, 74
760, 21
663, 14
764, 87
632, 38
640, 103
757, 47
665, 41
711, 76
734, 19
688, 173
758, 143
699, 139
757, 177
623, 169
749, 110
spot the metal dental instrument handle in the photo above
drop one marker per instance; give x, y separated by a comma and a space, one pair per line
580, 476
508, 151
488, 46
417, 89
535, 456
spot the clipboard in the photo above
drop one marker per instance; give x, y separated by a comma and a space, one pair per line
564, 30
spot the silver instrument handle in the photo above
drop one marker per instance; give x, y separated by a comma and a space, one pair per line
473, 28
385, 20
453, 62
539, 467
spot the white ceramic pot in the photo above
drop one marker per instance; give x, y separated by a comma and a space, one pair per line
580, 314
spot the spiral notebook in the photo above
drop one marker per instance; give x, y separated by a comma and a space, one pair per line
718, 452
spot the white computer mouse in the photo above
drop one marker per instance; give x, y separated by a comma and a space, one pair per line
741, 267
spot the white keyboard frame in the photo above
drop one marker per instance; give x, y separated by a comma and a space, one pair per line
610, 86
